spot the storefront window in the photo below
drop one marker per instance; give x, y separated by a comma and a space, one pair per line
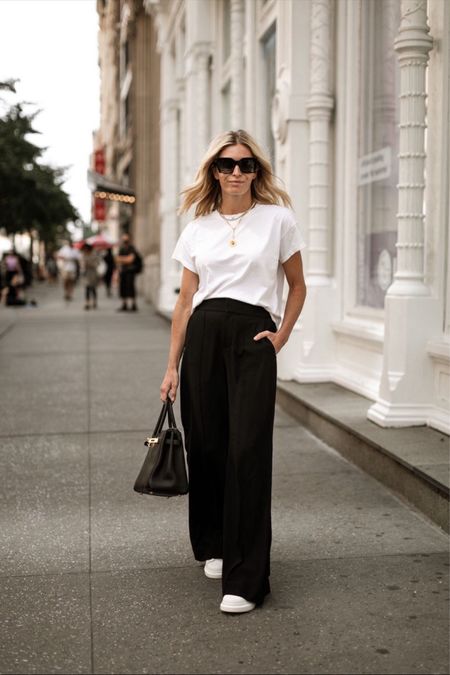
378, 136
269, 57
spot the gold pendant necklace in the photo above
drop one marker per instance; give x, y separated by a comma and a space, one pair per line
232, 242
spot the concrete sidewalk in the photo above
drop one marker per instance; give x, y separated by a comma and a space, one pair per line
97, 579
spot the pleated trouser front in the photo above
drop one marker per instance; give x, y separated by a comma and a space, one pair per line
227, 400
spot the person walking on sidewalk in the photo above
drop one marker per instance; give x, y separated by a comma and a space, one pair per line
70, 258
90, 264
126, 261
226, 326
110, 267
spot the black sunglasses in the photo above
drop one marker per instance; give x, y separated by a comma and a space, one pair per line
227, 164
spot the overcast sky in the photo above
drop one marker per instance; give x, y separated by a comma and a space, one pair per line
51, 46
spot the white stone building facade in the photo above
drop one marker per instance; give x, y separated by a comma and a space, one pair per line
351, 100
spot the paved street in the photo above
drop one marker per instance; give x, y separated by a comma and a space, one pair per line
97, 579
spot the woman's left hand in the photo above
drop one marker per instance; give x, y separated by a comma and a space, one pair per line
275, 339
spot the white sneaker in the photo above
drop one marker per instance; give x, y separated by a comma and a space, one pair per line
236, 604
213, 568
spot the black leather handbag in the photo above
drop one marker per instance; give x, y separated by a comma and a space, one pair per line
164, 472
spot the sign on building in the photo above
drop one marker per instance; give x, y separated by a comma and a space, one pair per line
375, 166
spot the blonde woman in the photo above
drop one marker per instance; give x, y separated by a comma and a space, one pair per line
227, 325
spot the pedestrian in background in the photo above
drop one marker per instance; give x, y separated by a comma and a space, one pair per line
70, 260
110, 267
90, 263
235, 254
51, 268
13, 279
127, 261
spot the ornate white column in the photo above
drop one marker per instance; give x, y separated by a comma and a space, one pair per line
237, 97
320, 106
411, 313
198, 105
197, 65
203, 109
169, 272
315, 359
170, 276
412, 45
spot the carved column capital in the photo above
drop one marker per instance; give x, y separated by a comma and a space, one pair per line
413, 38
280, 110
158, 11
320, 46
198, 56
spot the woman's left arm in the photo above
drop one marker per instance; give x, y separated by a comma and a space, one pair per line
293, 269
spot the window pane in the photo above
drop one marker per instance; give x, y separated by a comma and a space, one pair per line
269, 44
377, 150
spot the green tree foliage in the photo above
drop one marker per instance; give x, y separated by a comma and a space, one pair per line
9, 85
31, 193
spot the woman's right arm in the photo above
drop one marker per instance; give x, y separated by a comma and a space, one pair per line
180, 317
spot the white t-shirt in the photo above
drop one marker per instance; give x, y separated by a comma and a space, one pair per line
69, 255
252, 270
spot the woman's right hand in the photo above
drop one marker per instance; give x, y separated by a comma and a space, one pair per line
180, 318
169, 385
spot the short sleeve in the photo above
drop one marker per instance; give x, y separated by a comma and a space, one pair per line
291, 238
183, 250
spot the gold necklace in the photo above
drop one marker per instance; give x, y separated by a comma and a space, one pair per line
232, 241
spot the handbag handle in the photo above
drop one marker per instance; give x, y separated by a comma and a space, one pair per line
166, 408
161, 418
172, 422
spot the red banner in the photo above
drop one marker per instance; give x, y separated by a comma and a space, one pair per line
99, 209
99, 161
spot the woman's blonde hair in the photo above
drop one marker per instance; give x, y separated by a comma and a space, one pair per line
205, 190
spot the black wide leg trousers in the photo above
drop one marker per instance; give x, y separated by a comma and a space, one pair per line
227, 400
